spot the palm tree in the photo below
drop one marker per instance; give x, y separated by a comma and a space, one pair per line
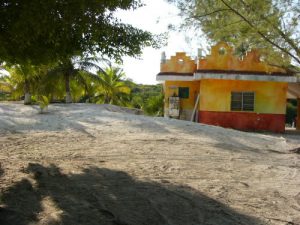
111, 87
76, 69
155, 105
5, 86
23, 80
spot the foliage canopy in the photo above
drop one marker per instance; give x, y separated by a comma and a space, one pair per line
39, 32
109, 85
272, 25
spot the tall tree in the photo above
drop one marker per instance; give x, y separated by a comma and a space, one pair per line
112, 88
24, 79
38, 32
272, 25
77, 69
5, 85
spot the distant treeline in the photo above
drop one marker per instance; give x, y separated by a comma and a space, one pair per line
106, 86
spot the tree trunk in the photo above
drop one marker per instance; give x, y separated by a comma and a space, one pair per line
298, 115
107, 100
87, 94
27, 98
68, 92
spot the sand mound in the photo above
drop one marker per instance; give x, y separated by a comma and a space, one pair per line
114, 108
102, 164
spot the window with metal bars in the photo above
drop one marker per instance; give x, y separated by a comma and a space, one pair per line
242, 101
183, 92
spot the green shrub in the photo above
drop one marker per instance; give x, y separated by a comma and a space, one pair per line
291, 111
43, 103
155, 105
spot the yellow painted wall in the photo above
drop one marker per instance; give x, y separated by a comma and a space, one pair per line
270, 97
180, 63
172, 86
228, 61
298, 114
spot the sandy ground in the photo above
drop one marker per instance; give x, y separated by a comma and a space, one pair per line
97, 164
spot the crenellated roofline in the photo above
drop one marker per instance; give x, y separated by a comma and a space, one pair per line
221, 64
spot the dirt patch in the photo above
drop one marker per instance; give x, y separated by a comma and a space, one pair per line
84, 164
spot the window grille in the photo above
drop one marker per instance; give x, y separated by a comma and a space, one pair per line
242, 101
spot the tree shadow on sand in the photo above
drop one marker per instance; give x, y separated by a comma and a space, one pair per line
103, 196
1, 170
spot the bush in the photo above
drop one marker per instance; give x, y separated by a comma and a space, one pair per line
291, 111
155, 105
43, 103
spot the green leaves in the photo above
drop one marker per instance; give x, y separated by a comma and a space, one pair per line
112, 88
23, 78
47, 31
43, 101
155, 105
269, 25
109, 85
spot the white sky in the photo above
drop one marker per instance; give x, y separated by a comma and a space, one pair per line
155, 17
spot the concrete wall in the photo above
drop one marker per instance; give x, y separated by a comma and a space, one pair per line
222, 58
180, 63
186, 105
269, 105
270, 97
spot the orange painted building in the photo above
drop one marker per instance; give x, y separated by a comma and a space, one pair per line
223, 90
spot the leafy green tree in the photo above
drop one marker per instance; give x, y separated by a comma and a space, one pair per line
76, 69
112, 88
155, 105
147, 97
53, 86
137, 102
24, 80
291, 111
45, 32
5, 87
39, 32
272, 25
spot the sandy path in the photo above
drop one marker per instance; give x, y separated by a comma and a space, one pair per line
92, 164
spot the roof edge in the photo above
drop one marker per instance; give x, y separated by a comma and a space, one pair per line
244, 72
174, 74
